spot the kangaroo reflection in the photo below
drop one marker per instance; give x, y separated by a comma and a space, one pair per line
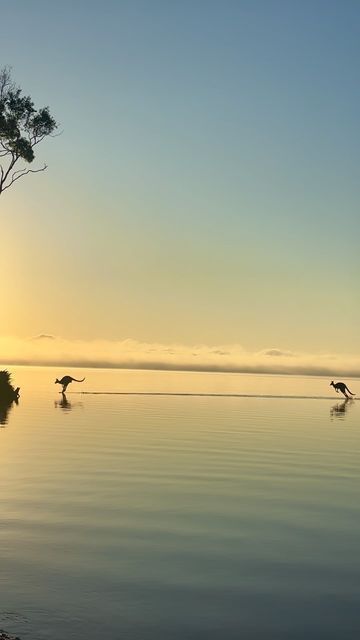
65, 405
340, 408
5, 408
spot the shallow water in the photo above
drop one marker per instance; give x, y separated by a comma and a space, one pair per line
229, 512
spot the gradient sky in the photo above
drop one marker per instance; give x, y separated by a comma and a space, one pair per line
205, 187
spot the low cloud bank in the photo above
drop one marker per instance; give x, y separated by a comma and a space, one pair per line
46, 349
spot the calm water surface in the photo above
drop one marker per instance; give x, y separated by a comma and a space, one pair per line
232, 513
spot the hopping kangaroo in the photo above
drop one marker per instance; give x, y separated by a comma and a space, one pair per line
341, 386
65, 381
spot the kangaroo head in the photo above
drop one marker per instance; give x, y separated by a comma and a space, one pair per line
331, 383
57, 381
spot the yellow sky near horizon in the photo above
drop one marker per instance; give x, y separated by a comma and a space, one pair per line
218, 205
131, 354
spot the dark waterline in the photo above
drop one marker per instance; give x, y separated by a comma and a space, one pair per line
207, 395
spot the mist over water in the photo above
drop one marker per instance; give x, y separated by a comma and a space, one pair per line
46, 349
172, 505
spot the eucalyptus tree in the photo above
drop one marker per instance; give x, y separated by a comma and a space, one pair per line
22, 128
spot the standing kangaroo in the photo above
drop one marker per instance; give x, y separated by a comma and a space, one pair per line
65, 381
341, 386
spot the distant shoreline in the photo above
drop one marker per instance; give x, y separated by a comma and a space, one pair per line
186, 368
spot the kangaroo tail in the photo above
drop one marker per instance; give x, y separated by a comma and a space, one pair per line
75, 380
353, 394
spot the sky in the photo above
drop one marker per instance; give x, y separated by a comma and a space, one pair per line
203, 194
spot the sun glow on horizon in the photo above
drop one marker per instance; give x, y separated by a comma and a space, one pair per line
220, 205
46, 349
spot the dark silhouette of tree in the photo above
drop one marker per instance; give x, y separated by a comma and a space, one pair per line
22, 127
7, 391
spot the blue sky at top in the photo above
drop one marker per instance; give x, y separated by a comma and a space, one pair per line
207, 173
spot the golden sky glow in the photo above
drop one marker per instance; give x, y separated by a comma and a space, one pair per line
204, 189
46, 349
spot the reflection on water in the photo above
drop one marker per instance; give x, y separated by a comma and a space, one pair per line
340, 409
221, 515
5, 408
65, 404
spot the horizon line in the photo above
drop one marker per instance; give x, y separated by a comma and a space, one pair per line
185, 368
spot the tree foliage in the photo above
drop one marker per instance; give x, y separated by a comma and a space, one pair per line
22, 127
6, 388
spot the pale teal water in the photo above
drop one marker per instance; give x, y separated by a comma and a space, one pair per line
180, 516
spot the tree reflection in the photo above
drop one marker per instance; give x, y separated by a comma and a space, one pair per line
5, 408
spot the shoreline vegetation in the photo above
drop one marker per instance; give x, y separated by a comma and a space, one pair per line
8, 395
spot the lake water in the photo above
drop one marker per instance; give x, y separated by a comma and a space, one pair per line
187, 507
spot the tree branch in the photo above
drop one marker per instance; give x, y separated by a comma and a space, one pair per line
21, 173
22, 128
7, 172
